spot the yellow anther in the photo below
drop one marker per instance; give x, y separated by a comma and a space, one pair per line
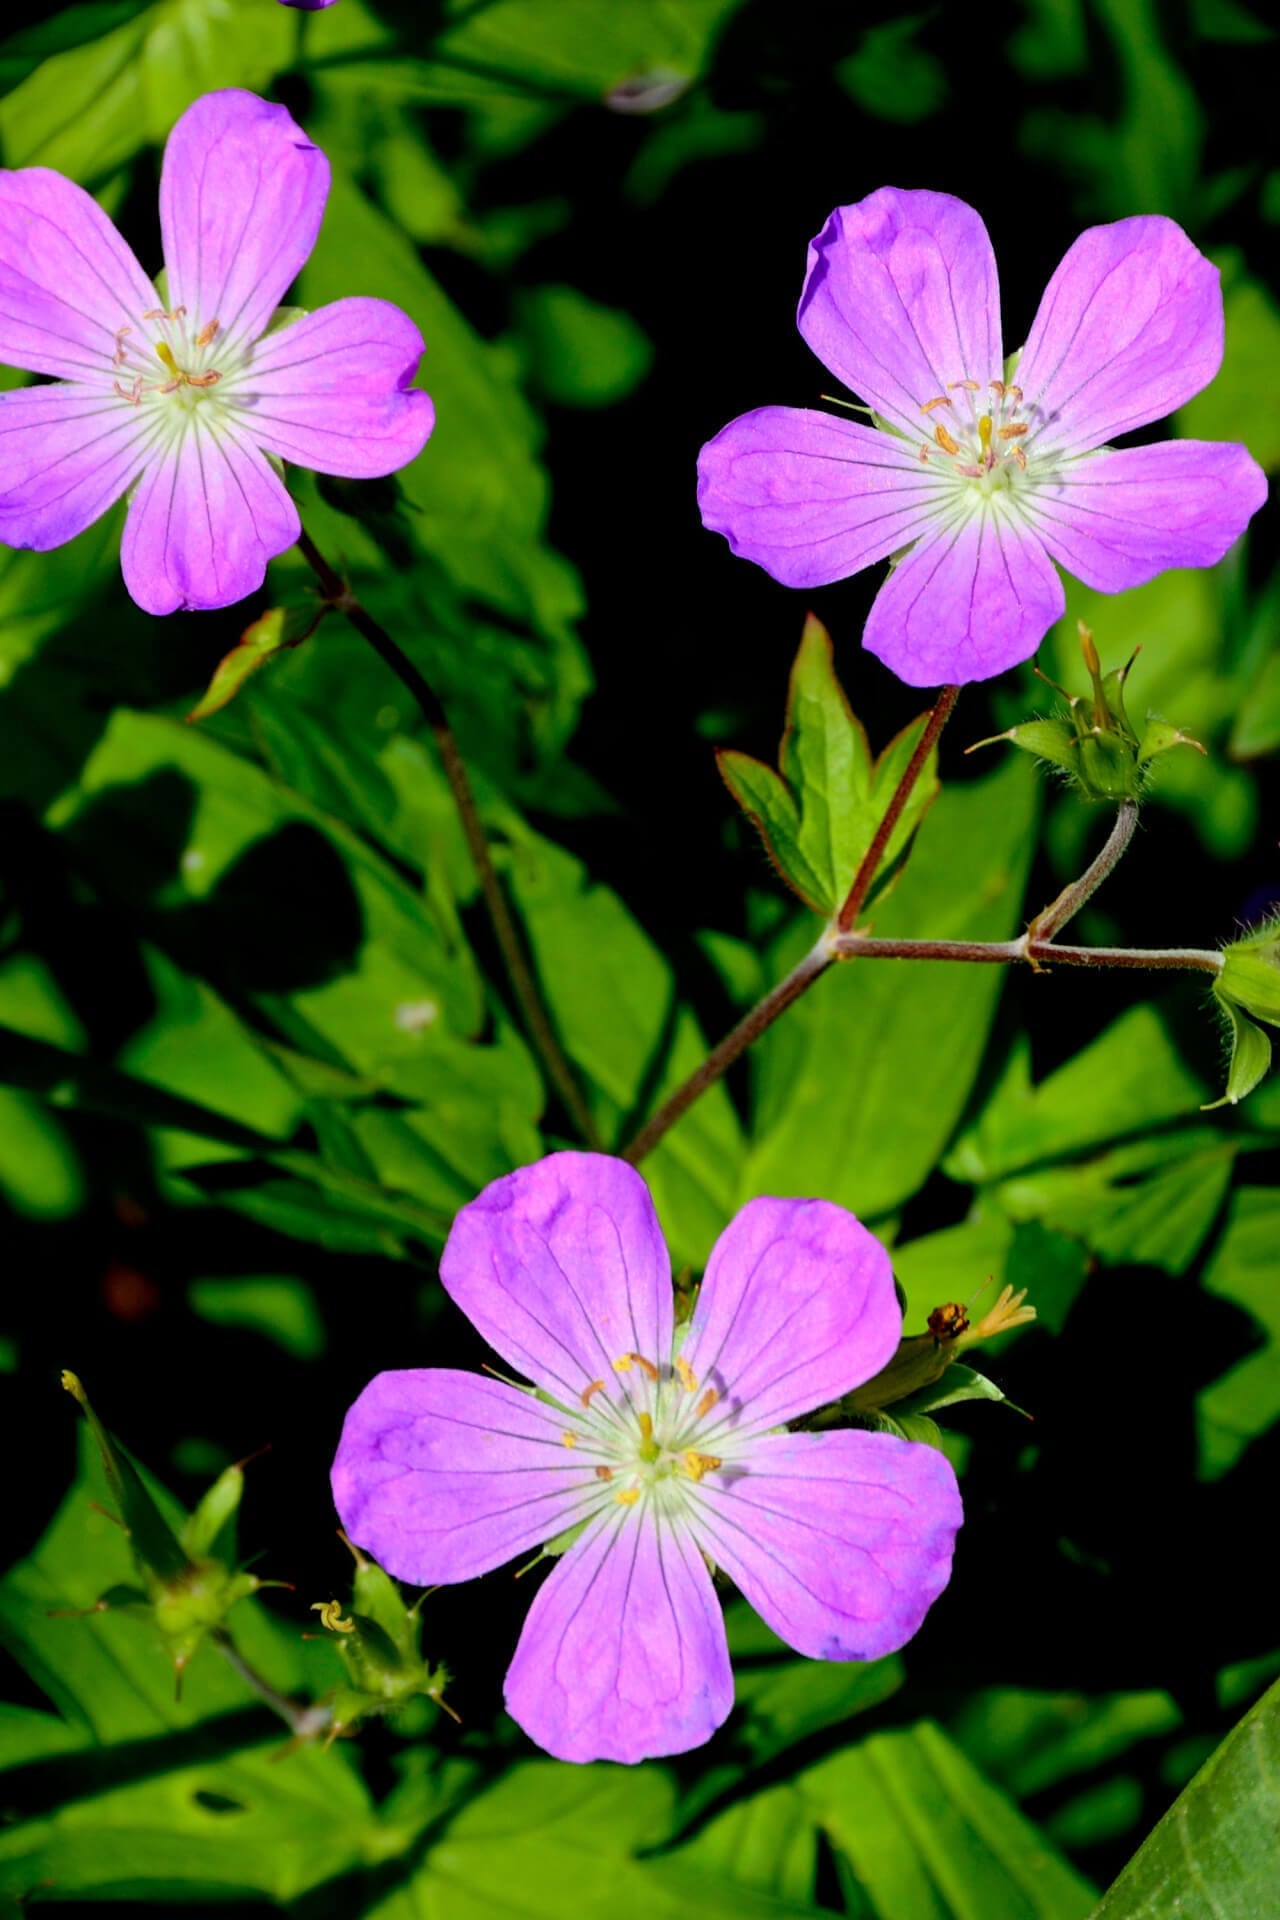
942, 400
696, 1464
627, 1496
1014, 432
205, 336
209, 379
646, 1426
685, 1374
330, 1612
998, 388
984, 432
604, 1473
945, 440
596, 1386
625, 1362
165, 353
706, 1403
1014, 394
970, 386
1020, 457
569, 1439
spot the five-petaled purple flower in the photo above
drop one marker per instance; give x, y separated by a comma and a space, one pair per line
189, 401
667, 1448
985, 473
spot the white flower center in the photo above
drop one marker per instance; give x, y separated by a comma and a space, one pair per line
176, 372
978, 434
650, 1445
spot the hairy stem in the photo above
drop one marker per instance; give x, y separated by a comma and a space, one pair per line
523, 984
749, 1028
862, 880
1040, 954
1053, 918
304, 1723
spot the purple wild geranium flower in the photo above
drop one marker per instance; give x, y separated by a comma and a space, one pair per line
979, 475
191, 402
661, 1448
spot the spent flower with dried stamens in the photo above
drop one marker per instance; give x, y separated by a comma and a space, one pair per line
978, 474
646, 1450
190, 404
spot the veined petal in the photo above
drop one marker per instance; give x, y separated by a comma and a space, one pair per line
331, 391
811, 498
797, 1307
242, 194
840, 1541
1130, 326
901, 299
563, 1268
207, 516
1119, 517
623, 1655
443, 1475
67, 453
68, 282
965, 605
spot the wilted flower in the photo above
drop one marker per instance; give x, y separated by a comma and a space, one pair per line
655, 1450
978, 474
191, 401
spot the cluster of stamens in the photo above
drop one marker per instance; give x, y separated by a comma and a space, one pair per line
181, 358
982, 441
645, 1444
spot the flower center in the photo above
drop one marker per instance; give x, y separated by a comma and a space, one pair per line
646, 1443
178, 365
978, 437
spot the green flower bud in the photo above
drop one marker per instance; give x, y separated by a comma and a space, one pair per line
1094, 743
1250, 976
188, 1581
378, 1644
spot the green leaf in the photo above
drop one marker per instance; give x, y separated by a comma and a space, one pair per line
278, 1307
819, 813
1214, 1855
858, 1088
615, 1003
918, 1831
1250, 1057
957, 1383
261, 640
88, 108
1130, 1078
546, 1828
1242, 401
1245, 1401
578, 353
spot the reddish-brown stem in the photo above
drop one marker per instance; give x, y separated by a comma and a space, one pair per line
847, 917
1040, 954
749, 1028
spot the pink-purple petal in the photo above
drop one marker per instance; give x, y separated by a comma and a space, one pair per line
563, 1268
623, 1655
901, 299
332, 390
443, 1475
242, 194
965, 604
812, 498
796, 1308
67, 453
1119, 517
1129, 328
68, 282
840, 1541
207, 516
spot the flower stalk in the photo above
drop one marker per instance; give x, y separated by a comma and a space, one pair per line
542, 1034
